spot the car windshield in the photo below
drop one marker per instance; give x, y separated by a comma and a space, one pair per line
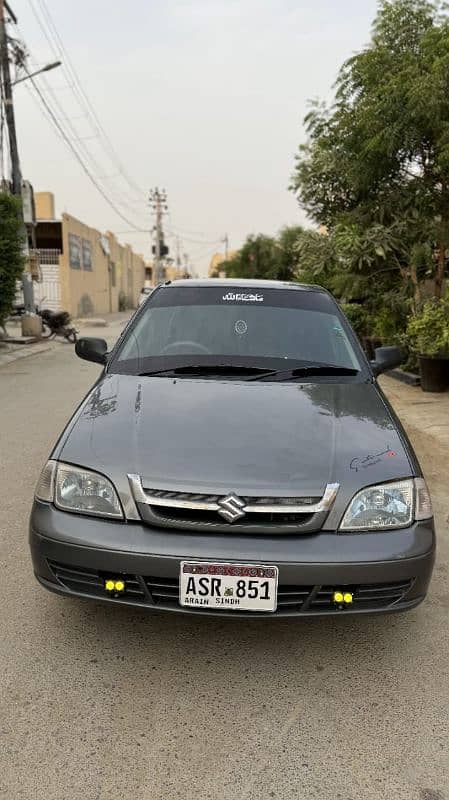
238, 327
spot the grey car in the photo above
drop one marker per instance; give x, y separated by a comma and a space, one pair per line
236, 456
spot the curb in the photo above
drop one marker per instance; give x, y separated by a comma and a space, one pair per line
404, 377
25, 352
91, 322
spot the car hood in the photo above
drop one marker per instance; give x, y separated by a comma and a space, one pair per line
253, 438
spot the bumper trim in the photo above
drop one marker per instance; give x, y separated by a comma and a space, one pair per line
56, 588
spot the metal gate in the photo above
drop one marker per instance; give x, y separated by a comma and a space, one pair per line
47, 292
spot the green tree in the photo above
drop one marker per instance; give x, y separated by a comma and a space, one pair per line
375, 169
265, 257
11, 252
256, 259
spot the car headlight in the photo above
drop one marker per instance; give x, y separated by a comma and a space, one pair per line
77, 489
387, 506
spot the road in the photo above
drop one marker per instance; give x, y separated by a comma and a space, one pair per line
99, 702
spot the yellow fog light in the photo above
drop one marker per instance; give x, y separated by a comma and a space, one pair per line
342, 598
114, 586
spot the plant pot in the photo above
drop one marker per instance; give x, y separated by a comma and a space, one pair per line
434, 373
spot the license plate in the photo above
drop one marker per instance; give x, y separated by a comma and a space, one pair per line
229, 587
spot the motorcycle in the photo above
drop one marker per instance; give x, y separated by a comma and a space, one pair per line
57, 323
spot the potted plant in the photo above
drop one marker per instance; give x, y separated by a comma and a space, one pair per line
428, 337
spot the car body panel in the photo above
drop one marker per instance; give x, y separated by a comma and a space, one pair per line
252, 438
321, 547
288, 439
325, 558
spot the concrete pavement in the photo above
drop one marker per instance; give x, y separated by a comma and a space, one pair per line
99, 702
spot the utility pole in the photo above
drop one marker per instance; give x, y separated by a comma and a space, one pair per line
178, 254
16, 175
158, 202
9, 105
186, 265
226, 244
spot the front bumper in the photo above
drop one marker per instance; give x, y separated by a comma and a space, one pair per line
387, 572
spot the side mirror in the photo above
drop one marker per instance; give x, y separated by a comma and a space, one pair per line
91, 349
386, 358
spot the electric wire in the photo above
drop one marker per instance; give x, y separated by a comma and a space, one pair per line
68, 132
69, 143
54, 39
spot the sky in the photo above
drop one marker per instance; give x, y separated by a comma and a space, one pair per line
205, 98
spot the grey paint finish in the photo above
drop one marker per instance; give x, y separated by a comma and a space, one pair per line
322, 548
286, 439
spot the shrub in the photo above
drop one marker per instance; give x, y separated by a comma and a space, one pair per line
428, 330
12, 260
358, 317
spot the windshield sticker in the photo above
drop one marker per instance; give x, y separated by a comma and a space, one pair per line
371, 460
243, 298
240, 327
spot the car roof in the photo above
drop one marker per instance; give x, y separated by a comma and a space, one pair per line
242, 282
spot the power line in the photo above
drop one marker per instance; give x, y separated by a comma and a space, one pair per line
85, 169
72, 134
195, 241
54, 39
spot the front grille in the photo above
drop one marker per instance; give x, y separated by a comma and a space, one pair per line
367, 595
292, 599
90, 582
198, 518
231, 513
190, 497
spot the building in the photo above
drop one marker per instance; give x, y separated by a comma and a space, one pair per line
215, 262
83, 271
174, 273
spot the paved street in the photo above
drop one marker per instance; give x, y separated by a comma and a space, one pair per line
99, 702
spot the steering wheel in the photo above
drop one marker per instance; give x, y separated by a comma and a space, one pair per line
181, 348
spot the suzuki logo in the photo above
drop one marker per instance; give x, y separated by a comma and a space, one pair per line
232, 507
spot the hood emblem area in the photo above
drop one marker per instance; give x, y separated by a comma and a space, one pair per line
181, 510
231, 507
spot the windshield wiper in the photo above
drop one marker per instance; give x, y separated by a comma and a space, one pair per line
309, 369
208, 369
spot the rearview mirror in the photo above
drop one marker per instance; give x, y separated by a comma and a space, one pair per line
386, 358
91, 349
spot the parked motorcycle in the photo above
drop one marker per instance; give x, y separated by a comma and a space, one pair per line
57, 323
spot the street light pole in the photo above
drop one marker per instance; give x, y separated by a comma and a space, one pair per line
47, 68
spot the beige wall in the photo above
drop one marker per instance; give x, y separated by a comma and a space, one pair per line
87, 291
83, 291
174, 273
45, 205
216, 260
129, 271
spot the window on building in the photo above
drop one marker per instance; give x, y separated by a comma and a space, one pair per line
87, 255
74, 251
113, 272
